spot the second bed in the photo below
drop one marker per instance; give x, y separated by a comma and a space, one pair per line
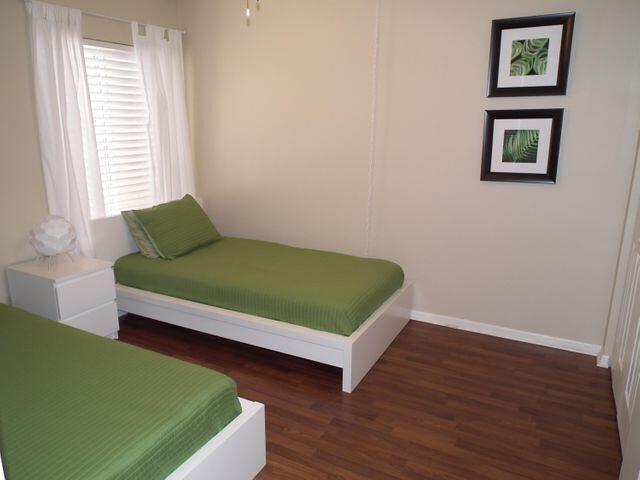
324, 291
332, 308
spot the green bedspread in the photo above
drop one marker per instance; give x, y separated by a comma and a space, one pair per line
321, 290
77, 406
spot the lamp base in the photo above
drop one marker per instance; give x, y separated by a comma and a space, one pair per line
51, 260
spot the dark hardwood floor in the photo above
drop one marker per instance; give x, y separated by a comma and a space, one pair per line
440, 404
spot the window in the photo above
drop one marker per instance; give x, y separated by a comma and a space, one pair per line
120, 116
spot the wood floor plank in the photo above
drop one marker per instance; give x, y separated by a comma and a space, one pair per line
441, 404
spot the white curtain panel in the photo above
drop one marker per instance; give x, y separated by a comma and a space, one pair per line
65, 124
159, 52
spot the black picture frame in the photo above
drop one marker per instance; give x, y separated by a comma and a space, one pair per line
498, 26
555, 114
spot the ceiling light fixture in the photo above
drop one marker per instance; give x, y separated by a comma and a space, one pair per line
248, 11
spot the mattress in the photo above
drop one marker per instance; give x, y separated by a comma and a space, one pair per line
325, 291
77, 406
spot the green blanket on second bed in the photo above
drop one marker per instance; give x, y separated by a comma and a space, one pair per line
320, 290
74, 406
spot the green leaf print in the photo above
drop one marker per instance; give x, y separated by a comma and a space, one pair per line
529, 57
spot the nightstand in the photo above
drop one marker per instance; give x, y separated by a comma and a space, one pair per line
79, 292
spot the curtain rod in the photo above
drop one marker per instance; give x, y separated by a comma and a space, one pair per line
120, 19
124, 20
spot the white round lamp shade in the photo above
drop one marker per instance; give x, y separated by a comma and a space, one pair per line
52, 236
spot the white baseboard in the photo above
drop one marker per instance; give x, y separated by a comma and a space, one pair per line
510, 333
604, 361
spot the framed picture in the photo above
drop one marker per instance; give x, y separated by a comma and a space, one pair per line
521, 145
530, 55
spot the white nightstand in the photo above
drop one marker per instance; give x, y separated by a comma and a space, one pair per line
80, 293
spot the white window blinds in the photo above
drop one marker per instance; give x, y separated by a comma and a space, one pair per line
120, 116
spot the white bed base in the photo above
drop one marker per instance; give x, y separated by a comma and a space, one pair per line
355, 354
237, 452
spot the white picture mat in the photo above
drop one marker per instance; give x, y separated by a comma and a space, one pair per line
542, 161
553, 33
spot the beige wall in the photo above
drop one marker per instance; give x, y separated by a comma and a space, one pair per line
282, 142
281, 117
22, 196
281, 113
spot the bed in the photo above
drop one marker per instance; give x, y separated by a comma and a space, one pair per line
323, 291
335, 309
74, 406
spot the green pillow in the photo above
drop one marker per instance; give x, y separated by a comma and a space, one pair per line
178, 227
139, 236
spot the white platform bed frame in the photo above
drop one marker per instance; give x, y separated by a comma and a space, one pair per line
237, 452
354, 354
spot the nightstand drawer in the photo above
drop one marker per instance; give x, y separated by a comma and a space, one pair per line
100, 321
79, 295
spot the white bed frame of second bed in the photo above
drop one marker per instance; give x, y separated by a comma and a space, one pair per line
354, 354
